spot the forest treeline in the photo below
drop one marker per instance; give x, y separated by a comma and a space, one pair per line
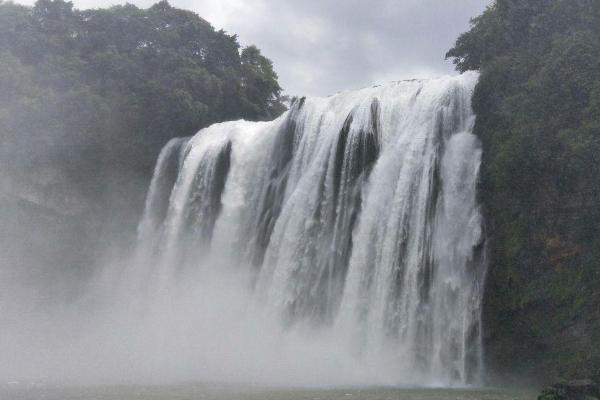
538, 116
97, 93
87, 100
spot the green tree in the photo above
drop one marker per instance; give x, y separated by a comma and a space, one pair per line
261, 91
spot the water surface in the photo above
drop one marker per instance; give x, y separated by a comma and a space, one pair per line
228, 392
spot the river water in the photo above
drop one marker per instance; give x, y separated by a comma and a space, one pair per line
233, 392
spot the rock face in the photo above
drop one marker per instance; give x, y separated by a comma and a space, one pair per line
47, 236
575, 390
46, 189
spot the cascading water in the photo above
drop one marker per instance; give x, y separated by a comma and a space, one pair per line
352, 217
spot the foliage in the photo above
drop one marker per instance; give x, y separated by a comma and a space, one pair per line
97, 93
538, 116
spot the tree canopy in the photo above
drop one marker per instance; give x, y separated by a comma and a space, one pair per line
104, 89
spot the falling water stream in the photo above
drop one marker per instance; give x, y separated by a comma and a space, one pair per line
352, 217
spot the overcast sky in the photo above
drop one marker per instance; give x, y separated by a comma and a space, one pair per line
320, 47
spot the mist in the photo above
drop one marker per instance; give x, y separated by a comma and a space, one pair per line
206, 331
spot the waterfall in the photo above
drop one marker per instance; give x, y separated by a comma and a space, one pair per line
352, 216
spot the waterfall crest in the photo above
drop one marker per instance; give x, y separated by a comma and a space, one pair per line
352, 216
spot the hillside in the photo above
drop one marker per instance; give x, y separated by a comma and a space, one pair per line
89, 97
538, 116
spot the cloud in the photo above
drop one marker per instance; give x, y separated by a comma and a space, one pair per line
320, 47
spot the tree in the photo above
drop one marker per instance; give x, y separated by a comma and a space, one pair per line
261, 91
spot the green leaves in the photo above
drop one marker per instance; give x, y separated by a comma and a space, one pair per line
260, 88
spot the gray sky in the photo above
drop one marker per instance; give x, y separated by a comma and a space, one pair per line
320, 47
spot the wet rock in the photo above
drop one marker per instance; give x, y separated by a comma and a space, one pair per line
585, 389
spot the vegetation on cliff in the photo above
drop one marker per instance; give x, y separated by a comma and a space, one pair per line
538, 116
89, 97
102, 90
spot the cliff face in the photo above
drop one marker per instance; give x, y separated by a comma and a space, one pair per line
542, 302
54, 238
538, 117
46, 237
